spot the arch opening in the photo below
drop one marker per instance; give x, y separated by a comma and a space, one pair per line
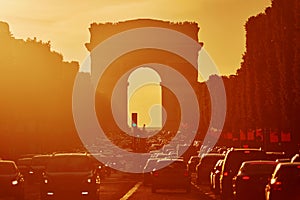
145, 98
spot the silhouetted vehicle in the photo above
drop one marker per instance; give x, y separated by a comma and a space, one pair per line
282, 160
284, 183
205, 166
232, 162
37, 167
174, 175
276, 155
215, 177
101, 168
251, 180
149, 166
295, 158
24, 165
192, 163
70, 176
11, 180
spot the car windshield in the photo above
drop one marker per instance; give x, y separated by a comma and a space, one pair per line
7, 168
39, 160
69, 164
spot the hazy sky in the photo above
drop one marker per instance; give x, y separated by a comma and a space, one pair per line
65, 22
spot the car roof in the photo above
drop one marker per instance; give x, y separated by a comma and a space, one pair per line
7, 161
41, 156
213, 154
245, 149
260, 162
289, 164
70, 154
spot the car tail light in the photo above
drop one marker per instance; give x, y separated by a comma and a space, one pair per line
186, 173
225, 174
246, 178
276, 185
298, 166
155, 174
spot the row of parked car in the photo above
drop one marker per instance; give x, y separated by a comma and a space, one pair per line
248, 174
59, 175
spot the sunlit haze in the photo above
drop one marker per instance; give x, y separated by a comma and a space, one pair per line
66, 23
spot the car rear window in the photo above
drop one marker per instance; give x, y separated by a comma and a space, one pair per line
7, 168
258, 168
234, 159
289, 172
69, 164
210, 160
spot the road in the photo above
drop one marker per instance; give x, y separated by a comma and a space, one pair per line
129, 187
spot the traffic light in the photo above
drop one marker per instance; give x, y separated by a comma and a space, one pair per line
134, 120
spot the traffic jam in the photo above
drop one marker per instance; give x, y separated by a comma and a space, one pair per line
222, 173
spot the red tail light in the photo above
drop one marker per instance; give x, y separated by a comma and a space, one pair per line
277, 186
155, 174
246, 178
225, 174
186, 173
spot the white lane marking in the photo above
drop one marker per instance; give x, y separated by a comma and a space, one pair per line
131, 191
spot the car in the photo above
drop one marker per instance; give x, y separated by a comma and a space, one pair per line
233, 159
192, 163
70, 176
24, 165
276, 155
284, 182
37, 167
205, 165
215, 177
149, 166
173, 175
251, 179
11, 180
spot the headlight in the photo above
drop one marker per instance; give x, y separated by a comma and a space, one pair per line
89, 180
15, 182
46, 181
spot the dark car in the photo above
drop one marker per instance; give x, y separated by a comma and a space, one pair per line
70, 176
11, 180
284, 183
24, 165
252, 178
205, 166
174, 175
149, 166
232, 162
37, 167
215, 177
192, 163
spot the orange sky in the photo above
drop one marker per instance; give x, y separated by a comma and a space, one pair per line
65, 23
